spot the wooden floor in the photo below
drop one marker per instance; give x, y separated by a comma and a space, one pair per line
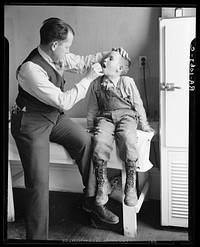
69, 223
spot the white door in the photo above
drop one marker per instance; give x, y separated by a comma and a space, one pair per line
176, 35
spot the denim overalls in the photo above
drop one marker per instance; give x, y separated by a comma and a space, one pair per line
117, 120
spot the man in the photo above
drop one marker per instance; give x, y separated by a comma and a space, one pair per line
39, 117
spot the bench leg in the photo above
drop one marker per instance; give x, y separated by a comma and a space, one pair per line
129, 213
10, 205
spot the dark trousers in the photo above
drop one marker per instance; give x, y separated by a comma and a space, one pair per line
32, 133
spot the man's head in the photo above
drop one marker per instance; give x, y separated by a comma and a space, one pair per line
115, 65
56, 36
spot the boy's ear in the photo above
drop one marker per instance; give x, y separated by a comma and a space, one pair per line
120, 69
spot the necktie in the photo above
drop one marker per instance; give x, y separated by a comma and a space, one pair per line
59, 67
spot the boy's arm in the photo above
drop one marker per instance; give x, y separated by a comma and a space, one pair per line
93, 107
138, 105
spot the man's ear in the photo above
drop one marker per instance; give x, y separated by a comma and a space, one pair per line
54, 45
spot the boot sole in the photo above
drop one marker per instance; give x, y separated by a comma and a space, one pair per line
94, 212
130, 204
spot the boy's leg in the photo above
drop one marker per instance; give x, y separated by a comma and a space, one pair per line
126, 137
103, 139
31, 133
103, 144
130, 186
103, 185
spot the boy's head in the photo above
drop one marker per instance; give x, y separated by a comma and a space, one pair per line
115, 65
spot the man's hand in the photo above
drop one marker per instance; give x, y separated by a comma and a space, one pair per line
94, 72
122, 52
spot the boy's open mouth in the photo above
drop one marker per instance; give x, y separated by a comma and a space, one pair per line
103, 66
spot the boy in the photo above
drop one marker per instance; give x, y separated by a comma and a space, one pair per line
114, 110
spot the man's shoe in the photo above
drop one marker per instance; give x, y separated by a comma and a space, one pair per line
101, 211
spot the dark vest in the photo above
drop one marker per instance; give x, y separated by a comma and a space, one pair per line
25, 99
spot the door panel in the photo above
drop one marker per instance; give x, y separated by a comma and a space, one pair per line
178, 37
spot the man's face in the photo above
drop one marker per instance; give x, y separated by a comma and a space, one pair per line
62, 47
111, 64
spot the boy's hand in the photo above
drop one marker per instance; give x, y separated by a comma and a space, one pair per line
149, 129
89, 130
122, 52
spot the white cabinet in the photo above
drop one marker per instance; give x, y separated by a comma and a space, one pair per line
176, 35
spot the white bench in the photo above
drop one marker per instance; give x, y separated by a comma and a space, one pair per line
59, 155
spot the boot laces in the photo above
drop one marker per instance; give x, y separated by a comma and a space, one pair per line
130, 179
100, 178
131, 175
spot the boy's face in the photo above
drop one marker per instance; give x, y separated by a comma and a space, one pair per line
111, 64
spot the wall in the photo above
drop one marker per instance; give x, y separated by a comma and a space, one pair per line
97, 29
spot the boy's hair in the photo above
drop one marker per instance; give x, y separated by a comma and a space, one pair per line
54, 29
126, 65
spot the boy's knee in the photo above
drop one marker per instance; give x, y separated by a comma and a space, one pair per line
101, 153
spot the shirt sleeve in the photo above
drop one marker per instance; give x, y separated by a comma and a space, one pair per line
93, 106
79, 64
34, 80
138, 105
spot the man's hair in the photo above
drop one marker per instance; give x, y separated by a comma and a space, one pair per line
126, 65
54, 29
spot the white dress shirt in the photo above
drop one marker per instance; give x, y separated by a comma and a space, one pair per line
34, 79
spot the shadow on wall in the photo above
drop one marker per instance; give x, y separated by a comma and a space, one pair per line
151, 75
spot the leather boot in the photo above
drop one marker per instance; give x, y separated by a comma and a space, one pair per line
130, 186
103, 185
102, 212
